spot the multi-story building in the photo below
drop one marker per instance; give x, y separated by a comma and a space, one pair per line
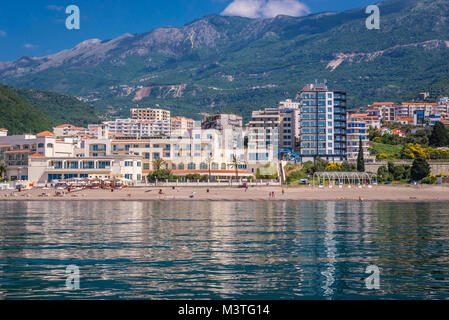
222, 121
140, 128
386, 111
69, 130
186, 154
357, 128
323, 123
289, 104
150, 114
44, 157
370, 118
407, 109
180, 125
278, 126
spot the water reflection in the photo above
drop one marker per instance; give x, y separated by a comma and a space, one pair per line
203, 250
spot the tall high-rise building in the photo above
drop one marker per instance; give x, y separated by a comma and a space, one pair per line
323, 123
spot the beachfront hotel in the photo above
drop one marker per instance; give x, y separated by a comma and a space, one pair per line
323, 123
45, 157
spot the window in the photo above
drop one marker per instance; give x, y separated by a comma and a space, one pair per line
191, 166
128, 163
40, 145
49, 145
204, 166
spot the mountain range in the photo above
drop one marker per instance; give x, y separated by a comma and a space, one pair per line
239, 64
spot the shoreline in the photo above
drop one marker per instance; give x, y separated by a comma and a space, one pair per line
391, 193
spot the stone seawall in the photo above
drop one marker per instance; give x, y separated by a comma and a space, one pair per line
437, 167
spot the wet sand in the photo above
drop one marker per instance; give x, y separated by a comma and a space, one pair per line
303, 193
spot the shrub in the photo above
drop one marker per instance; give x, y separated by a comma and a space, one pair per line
430, 180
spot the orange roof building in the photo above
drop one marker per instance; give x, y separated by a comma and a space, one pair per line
45, 134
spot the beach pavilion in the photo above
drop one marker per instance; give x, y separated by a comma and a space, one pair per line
345, 177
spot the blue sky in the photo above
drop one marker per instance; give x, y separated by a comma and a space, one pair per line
37, 27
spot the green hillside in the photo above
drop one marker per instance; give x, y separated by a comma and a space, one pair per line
61, 108
19, 116
30, 111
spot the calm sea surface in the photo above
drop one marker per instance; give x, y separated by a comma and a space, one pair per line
224, 250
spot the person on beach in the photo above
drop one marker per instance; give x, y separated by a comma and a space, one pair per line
207, 190
160, 191
283, 192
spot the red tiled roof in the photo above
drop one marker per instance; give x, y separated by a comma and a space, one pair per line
383, 103
419, 103
45, 134
3, 129
37, 155
18, 151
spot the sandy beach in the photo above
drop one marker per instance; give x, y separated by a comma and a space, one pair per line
303, 193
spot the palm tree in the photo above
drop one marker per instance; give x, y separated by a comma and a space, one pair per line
235, 164
158, 163
209, 161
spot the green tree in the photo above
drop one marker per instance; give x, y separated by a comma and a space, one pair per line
320, 165
360, 159
158, 163
420, 169
399, 172
348, 167
160, 175
2, 170
439, 136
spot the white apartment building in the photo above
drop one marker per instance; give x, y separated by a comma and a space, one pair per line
139, 128
357, 128
289, 104
69, 130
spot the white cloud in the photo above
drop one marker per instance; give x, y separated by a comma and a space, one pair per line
30, 46
3, 33
265, 8
53, 7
